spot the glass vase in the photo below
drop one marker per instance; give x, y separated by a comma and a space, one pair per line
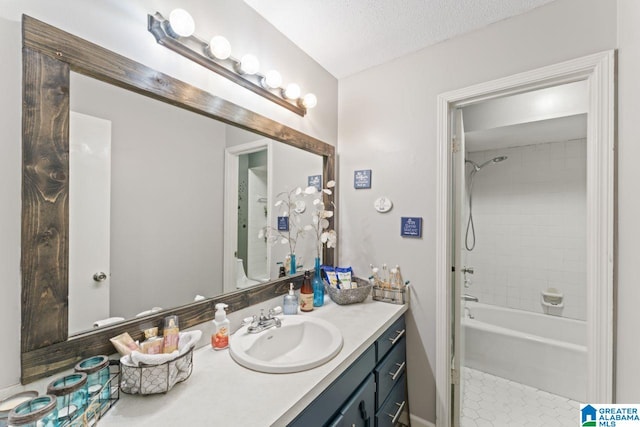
292, 268
318, 285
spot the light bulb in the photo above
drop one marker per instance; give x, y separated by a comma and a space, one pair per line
272, 79
181, 22
309, 101
219, 47
292, 91
249, 64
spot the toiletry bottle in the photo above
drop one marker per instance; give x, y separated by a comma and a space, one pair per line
171, 334
306, 293
290, 301
281, 272
220, 338
153, 344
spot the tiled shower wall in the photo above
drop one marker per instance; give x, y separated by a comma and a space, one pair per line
530, 221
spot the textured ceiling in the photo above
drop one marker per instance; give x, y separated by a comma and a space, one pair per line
348, 36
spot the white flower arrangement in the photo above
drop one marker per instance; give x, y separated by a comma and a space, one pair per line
320, 217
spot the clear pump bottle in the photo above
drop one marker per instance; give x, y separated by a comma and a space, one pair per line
290, 301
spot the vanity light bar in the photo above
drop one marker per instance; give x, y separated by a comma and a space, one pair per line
177, 34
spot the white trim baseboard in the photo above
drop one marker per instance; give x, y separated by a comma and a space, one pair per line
420, 422
598, 71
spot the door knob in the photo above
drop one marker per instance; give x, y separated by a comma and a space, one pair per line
100, 277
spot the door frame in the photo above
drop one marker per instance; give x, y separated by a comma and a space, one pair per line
599, 72
231, 169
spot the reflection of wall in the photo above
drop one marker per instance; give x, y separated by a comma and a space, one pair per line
291, 167
166, 227
530, 220
243, 207
252, 182
258, 203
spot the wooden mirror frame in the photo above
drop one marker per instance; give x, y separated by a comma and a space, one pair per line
48, 56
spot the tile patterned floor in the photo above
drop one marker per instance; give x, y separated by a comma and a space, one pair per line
490, 401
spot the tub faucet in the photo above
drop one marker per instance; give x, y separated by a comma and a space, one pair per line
468, 314
262, 322
467, 297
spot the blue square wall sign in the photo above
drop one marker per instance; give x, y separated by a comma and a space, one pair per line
283, 223
315, 181
362, 179
411, 226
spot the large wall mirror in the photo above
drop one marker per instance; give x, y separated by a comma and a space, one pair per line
126, 173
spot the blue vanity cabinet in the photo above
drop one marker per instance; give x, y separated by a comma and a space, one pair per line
370, 393
360, 410
391, 363
328, 408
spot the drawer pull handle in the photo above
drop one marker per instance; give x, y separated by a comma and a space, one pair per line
394, 417
397, 337
395, 374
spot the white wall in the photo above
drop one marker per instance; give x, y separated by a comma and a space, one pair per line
10, 173
388, 124
529, 213
122, 27
628, 288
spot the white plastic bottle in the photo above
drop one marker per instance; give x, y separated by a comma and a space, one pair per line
220, 338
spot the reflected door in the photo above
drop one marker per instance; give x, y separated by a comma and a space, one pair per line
89, 220
459, 257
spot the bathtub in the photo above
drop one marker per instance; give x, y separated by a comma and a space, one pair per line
538, 350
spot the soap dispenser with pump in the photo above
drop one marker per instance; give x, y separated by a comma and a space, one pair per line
290, 301
220, 338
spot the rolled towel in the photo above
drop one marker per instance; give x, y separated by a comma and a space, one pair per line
188, 340
152, 359
148, 312
107, 321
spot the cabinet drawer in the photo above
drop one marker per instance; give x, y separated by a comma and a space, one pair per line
388, 414
389, 338
360, 410
390, 370
324, 407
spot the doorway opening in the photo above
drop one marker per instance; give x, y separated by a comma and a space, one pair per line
595, 74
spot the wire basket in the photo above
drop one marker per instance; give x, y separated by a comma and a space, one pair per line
153, 379
386, 293
102, 401
350, 296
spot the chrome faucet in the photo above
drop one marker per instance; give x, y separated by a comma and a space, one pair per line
467, 297
261, 323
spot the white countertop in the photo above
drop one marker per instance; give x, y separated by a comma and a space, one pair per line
221, 392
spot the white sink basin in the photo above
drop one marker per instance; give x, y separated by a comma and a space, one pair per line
301, 343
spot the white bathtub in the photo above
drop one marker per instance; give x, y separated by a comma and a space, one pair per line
542, 351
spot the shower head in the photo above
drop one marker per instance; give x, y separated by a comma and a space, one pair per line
477, 167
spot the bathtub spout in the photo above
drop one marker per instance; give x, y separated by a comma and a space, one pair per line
467, 297
468, 313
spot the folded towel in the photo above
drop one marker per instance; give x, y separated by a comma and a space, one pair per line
107, 321
186, 342
148, 312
